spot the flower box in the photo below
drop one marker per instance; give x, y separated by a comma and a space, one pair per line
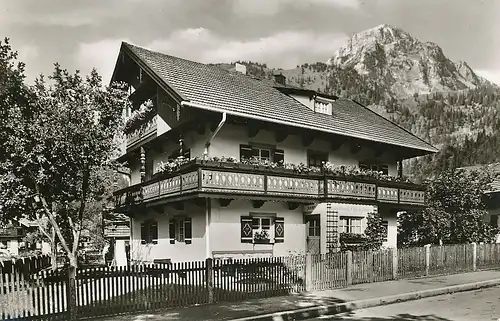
229, 165
261, 241
245, 166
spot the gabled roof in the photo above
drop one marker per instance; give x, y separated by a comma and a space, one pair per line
220, 90
494, 168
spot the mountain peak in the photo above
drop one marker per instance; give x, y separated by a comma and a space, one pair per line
395, 59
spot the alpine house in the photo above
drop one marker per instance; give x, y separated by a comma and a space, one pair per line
224, 165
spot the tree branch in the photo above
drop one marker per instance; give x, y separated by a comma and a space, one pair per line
42, 230
53, 221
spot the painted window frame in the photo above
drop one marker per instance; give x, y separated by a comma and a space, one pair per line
346, 226
181, 229
275, 228
149, 232
276, 155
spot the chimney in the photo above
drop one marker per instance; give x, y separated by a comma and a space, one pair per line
280, 79
241, 68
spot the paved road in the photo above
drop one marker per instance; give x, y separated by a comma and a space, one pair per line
480, 305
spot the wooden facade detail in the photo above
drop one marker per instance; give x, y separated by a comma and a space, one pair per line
351, 189
199, 179
410, 196
292, 185
387, 194
146, 131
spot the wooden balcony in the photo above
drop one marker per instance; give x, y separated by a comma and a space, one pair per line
9, 232
142, 133
230, 180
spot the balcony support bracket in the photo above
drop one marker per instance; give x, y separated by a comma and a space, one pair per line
257, 203
224, 202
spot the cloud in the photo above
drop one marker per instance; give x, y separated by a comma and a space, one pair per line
272, 7
101, 54
283, 49
492, 75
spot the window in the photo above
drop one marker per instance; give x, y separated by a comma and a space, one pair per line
314, 225
374, 167
262, 229
385, 225
350, 224
316, 159
180, 230
149, 232
262, 153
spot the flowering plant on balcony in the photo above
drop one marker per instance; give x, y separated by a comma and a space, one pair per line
136, 119
171, 165
327, 167
261, 235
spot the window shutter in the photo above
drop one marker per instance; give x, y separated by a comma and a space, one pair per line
153, 232
245, 152
279, 230
188, 230
171, 231
279, 156
246, 229
143, 233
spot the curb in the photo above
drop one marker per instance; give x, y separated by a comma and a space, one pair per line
317, 311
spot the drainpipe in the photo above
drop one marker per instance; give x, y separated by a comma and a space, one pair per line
221, 123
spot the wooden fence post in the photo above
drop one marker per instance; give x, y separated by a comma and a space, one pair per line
210, 279
427, 258
474, 256
308, 273
395, 263
349, 267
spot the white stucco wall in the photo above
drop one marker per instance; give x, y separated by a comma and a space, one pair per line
227, 143
224, 234
225, 231
164, 250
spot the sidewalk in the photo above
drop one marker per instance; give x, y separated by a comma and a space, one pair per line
356, 294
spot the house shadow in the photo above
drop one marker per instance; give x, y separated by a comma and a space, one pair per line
400, 317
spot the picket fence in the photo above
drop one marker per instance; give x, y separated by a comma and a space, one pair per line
105, 291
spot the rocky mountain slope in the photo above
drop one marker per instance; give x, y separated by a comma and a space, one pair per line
414, 84
403, 64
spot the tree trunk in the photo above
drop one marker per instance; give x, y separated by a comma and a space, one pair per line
71, 289
53, 256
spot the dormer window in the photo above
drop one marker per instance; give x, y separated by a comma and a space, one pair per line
323, 105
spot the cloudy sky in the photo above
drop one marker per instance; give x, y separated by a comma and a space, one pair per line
81, 34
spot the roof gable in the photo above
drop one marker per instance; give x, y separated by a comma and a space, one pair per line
231, 92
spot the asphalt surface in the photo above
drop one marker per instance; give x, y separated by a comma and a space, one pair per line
480, 305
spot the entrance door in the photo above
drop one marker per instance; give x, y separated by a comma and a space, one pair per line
313, 234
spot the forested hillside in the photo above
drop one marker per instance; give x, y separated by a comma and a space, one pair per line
440, 101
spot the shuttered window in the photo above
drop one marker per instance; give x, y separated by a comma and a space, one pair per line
149, 232
248, 152
271, 226
180, 230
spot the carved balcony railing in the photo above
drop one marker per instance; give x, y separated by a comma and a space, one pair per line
146, 130
210, 179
